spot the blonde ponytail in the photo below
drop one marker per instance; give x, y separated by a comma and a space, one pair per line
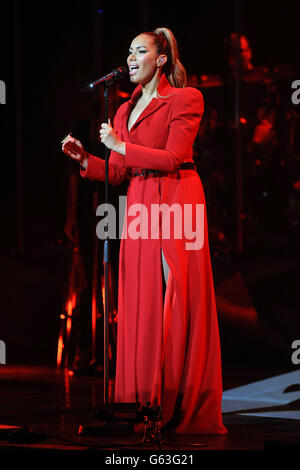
166, 43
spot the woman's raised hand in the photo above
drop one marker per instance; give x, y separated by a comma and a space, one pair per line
74, 149
110, 138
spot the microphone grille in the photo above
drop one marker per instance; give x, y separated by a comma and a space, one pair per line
120, 72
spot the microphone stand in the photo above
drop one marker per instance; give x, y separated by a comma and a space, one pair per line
108, 409
106, 261
116, 426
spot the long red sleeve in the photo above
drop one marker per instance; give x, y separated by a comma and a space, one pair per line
117, 170
172, 141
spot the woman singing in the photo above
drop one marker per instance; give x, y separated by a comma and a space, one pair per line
168, 348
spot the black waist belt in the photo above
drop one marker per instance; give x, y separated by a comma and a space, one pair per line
183, 166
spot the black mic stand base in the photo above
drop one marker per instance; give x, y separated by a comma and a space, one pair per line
126, 420
113, 420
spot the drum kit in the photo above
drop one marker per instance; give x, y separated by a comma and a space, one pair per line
270, 154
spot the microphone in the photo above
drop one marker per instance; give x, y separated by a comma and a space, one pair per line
109, 79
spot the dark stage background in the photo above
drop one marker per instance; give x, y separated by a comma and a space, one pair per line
49, 51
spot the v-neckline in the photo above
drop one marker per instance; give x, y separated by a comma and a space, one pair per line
163, 90
141, 113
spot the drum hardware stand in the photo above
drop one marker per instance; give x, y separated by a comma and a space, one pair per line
152, 421
238, 136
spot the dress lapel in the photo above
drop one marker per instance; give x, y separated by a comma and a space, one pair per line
164, 90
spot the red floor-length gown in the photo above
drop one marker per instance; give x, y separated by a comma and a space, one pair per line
168, 350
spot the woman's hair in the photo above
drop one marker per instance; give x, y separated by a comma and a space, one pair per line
166, 43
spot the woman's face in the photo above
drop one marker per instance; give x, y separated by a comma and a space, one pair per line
142, 60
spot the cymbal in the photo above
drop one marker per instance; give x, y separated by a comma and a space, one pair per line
286, 71
206, 81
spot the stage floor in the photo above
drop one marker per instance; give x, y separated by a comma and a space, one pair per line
54, 403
